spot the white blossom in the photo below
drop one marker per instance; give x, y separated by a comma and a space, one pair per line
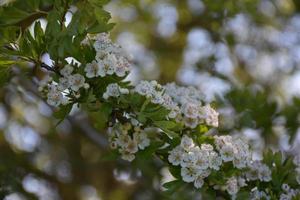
76, 82
198, 183
127, 145
202, 160
189, 174
175, 156
128, 156
122, 140
209, 115
141, 139
55, 97
63, 83
122, 67
67, 70
131, 146
258, 170
232, 186
114, 90
258, 195
186, 142
191, 122
190, 109
92, 69
215, 161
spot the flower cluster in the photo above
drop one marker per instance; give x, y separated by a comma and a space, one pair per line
128, 140
110, 59
234, 184
191, 111
258, 171
197, 162
259, 195
67, 87
184, 103
287, 193
235, 150
155, 92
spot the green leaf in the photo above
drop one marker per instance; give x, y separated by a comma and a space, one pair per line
62, 112
110, 156
100, 28
101, 116
158, 115
5, 74
101, 15
167, 127
6, 62
165, 124
38, 32
148, 152
175, 171
98, 2
12, 15
173, 185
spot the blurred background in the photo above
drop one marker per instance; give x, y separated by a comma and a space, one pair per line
244, 55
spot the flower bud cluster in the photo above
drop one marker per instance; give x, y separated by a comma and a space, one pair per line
128, 140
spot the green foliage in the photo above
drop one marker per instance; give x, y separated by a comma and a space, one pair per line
282, 169
59, 40
63, 112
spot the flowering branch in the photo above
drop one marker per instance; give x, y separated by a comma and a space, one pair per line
169, 121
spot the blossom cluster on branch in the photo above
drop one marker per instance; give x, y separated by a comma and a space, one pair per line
171, 122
